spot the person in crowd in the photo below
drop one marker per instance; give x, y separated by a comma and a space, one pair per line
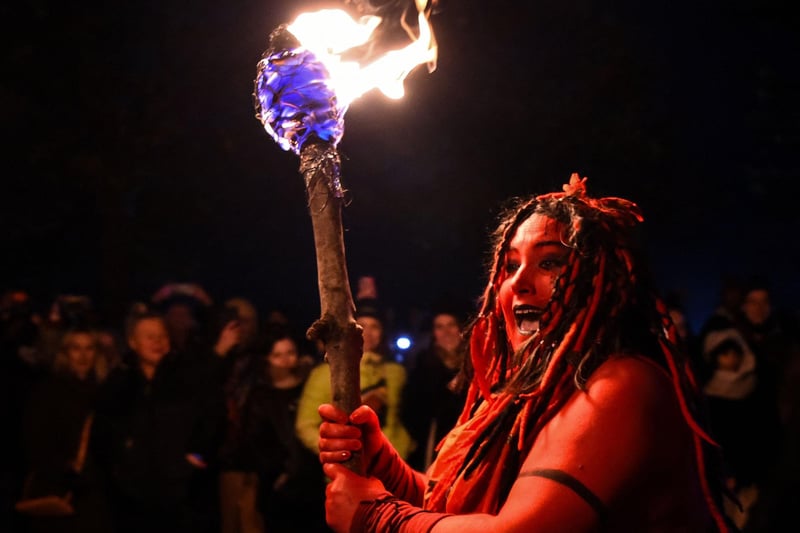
157, 422
201, 351
238, 328
20, 371
67, 312
238, 481
581, 409
382, 383
777, 352
237, 345
774, 346
777, 500
727, 313
58, 416
735, 417
185, 308
237, 332
431, 403
238, 478
280, 485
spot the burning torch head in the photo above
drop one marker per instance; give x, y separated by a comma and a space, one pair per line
317, 65
293, 97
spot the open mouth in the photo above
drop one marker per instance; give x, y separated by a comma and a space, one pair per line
527, 319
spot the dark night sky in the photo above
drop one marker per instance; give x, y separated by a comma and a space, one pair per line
133, 156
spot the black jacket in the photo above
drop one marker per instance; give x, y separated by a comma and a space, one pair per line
145, 429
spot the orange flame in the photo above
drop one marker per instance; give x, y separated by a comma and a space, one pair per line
330, 33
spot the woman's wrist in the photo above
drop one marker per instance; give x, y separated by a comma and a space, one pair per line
395, 474
392, 514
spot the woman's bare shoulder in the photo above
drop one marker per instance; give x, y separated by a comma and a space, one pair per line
629, 375
625, 401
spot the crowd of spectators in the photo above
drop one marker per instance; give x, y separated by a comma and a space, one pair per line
199, 416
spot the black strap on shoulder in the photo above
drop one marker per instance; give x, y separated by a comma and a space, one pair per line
568, 481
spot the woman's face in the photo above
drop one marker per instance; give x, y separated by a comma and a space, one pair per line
81, 352
756, 306
535, 258
150, 340
446, 332
283, 355
372, 332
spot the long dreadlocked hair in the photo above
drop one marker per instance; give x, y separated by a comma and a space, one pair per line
603, 303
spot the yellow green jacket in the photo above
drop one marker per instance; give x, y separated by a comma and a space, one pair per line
317, 390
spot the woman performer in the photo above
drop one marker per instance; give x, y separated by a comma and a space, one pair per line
581, 413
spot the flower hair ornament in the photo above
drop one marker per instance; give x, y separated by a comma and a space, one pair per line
622, 212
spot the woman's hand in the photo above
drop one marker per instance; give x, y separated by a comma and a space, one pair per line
229, 337
343, 494
340, 435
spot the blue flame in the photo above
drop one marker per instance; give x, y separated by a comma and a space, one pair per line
294, 100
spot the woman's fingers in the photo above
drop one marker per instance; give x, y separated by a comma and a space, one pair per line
364, 414
337, 441
327, 430
331, 413
334, 457
339, 444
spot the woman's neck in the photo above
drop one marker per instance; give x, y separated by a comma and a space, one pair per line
450, 358
282, 378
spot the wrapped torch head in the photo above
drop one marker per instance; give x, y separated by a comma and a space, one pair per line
293, 97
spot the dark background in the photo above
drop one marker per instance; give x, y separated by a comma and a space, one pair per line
132, 155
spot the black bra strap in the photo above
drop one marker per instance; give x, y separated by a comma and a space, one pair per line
568, 481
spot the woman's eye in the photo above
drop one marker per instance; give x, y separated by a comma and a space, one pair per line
512, 266
551, 264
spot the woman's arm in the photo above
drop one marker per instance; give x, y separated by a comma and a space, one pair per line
589, 460
607, 450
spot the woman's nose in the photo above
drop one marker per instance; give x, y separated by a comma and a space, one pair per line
521, 282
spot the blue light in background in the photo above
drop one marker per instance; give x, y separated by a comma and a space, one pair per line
403, 343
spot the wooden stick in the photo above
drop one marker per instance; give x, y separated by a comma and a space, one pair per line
336, 327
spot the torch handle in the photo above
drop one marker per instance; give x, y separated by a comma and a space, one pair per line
336, 327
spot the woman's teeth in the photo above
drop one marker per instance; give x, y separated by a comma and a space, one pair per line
527, 319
